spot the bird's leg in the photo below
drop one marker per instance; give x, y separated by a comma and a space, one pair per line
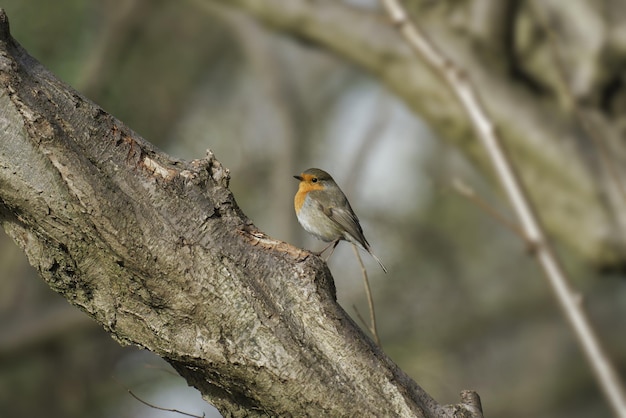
334, 244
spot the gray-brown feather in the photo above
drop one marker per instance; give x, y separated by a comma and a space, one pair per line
339, 211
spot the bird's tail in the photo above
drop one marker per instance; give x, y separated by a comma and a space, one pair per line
366, 246
380, 263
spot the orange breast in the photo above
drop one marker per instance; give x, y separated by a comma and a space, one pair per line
303, 189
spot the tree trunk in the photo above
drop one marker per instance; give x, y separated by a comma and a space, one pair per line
157, 251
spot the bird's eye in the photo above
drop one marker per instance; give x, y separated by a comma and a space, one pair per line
314, 180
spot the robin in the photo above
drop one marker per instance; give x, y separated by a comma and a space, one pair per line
324, 211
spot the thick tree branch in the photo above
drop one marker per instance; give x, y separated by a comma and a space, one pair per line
158, 253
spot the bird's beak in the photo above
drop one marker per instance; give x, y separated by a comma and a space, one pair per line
298, 177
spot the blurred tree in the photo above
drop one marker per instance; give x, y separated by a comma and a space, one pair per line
550, 75
464, 307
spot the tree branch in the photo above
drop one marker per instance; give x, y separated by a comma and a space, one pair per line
157, 252
462, 86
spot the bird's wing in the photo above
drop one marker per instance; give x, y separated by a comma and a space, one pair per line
348, 221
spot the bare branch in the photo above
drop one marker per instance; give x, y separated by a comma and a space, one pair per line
569, 301
130, 392
466, 191
370, 301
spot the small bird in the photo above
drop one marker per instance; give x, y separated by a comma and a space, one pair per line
324, 211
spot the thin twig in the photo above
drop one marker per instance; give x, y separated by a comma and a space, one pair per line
163, 409
466, 191
370, 301
130, 392
360, 318
569, 300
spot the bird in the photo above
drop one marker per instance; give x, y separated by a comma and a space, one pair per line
323, 210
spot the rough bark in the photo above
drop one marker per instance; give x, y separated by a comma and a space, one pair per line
503, 48
157, 252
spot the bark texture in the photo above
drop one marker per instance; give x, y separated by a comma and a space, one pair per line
157, 251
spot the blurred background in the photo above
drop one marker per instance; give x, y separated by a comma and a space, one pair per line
464, 305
